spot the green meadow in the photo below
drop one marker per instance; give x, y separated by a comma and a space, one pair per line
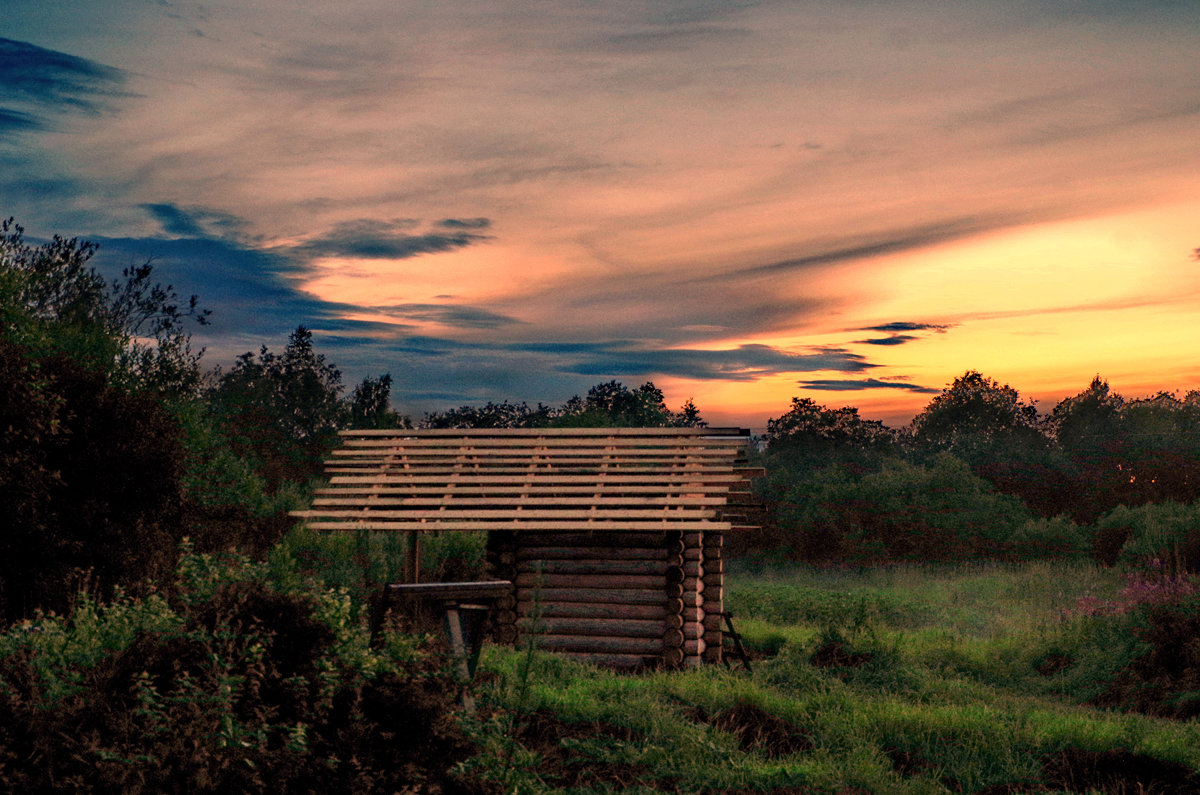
951, 679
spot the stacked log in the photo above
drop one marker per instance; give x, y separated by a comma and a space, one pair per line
618, 599
714, 594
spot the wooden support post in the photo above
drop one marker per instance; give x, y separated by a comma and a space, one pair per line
413, 573
458, 648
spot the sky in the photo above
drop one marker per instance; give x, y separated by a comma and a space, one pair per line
743, 202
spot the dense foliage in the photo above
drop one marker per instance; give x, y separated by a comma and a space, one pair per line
125, 667
237, 683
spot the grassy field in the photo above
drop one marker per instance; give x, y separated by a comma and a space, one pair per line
906, 679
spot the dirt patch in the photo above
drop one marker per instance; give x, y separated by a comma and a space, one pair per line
835, 654
543, 732
910, 763
1113, 772
757, 730
1053, 663
1117, 771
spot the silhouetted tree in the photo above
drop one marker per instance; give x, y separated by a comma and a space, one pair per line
491, 415
134, 330
281, 411
371, 405
612, 404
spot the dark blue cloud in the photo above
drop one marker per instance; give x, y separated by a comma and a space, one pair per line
16, 121
372, 239
899, 339
465, 223
743, 363
55, 80
836, 385
448, 314
899, 240
174, 220
195, 222
905, 326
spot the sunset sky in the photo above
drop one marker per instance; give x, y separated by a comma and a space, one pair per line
743, 202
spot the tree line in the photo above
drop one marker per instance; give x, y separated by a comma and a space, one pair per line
115, 442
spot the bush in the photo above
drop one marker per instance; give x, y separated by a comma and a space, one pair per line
1160, 536
95, 484
904, 512
237, 687
1165, 679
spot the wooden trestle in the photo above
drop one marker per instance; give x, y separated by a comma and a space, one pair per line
611, 537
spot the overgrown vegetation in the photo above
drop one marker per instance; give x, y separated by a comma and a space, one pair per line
991, 600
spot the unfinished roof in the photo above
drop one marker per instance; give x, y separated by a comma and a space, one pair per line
556, 479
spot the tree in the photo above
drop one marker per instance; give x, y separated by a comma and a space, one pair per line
1000, 435
371, 405
134, 330
1129, 452
491, 415
975, 415
817, 430
91, 478
612, 404
282, 412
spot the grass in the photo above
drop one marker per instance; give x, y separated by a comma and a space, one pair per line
951, 699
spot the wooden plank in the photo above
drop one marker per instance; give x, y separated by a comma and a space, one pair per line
444, 514
698, 482
583, 432
484, 589
517, 502
590, 581
598, 537
398, 486
535, 455
544, 526
467, 443
613, 553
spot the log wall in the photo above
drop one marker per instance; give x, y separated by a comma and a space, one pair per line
621, 600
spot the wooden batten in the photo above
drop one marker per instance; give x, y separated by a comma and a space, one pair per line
627, 596
593, 610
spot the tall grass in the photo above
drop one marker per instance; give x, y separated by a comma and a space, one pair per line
949, 699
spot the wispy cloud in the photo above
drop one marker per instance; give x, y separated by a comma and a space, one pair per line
372, 239
898, 339
901, 325
741, 363
50, 80
836, 385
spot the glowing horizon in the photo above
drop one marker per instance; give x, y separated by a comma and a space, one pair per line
742, 203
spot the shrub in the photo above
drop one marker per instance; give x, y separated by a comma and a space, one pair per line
1165, 679
238, 687
904, 511
95, 474
1158, 535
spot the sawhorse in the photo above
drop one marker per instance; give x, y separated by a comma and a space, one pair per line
465, 608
